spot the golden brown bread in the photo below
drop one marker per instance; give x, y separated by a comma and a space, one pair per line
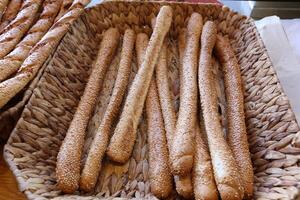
39, 54
182, 152
184, 185
63, 9
12, 62
203, 177
225, 168
14, 32
98, 147
165, 96
69, 156
159, 171
236, 134
10, 13
122, 142
3, 4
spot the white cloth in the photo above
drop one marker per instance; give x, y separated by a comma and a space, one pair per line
292, 28
283, 55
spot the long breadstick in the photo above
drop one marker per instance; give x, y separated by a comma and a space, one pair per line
122, 141
184, 186
165, 96
3, 4
63, 9
236, 134
159, 171
97, 150
203, 177
40, 53
10, 13
183, 143
225, 169
69, 156
12, 61
14, 32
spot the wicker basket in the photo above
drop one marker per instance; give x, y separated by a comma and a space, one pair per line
10, 113
33, 146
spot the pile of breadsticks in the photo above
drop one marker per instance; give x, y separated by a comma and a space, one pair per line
30, 30
192, 148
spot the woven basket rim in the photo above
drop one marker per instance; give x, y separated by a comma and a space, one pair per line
12, 165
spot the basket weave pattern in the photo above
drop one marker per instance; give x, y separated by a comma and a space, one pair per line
33, 146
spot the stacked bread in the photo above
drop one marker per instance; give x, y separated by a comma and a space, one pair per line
30, 30
189, 149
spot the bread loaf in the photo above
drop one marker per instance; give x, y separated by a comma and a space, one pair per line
14, 32
98, 147
182, 152
236, 134
10, 13
184, 185
225, 168
159, 172
39, 54
122, 142
203, 177
69, 156
12, 62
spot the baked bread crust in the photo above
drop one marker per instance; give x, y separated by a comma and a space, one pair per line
69, 156
13, 33
10, 13
225, 168
122, 142
237, 132
182, 152
12, 61
39, 54
100, 142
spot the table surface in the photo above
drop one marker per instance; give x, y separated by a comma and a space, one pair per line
8, 185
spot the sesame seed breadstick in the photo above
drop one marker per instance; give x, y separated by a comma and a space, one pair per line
40, 53
182, 152
12, 61
3, 4
159, 171
236, 135
165, 96
203, 177
13, 32
225, 169
98, 147
10, 13
122, 142
184, 185
69, 156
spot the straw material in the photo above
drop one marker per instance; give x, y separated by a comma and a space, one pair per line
33, 146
